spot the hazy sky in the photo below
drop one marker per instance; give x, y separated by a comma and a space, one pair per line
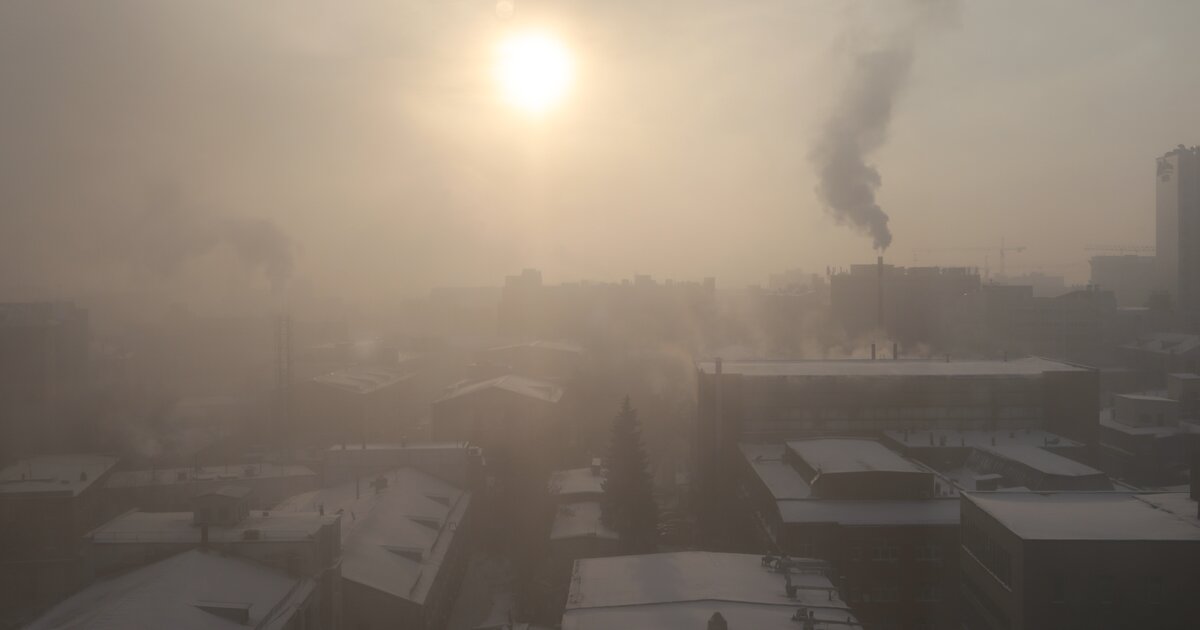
362, 146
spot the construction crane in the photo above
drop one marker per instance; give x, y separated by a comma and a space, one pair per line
1121, 249
1003, 249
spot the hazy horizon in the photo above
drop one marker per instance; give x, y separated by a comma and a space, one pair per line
194, 149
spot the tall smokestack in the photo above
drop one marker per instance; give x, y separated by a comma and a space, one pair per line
879, 296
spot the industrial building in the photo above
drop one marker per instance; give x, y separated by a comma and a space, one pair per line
1145, 437
762, 400
353, 405
499, 414
305, 544
404, 539
47, 503
578, 531
700, 589
904, 303
457, 463
172, 489
1079, 560
1130, 277
44, 366
197, 590
886, 525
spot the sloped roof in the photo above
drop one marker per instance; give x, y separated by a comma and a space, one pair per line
521, 385
169, 593
394, 540
362, 380
848, 455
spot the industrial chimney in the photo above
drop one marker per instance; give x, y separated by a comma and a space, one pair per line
879, 295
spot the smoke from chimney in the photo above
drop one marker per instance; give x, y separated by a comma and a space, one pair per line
847, 181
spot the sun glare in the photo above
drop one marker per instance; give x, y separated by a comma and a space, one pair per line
533, 70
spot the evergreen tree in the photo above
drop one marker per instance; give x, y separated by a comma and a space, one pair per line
629, 507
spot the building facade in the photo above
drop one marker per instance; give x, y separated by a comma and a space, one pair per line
1177, 211
1079, 560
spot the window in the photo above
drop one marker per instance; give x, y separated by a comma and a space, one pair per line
928, 593
885, 593
931, 552
885, 553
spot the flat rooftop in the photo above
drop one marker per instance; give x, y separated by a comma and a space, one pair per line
1117, 516
175, 592
975, 439
848, 455
54, 474
1041, 460
177, 527
576, 481
682, 590
1028, 366
235, 472
795, 502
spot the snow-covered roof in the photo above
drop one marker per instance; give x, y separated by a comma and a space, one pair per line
557, 346
781, 480
394, 540
59, 474
1028, 366
1041, 460
681, 590
1108, 421
167, 476
848, 455
178, 527
1160, 397
579, 519
362, 380
576, 481
974, 438
864, 512
174, 593
522, 385
1165, 343
1092, 515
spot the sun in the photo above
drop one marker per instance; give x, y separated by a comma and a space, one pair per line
534, 70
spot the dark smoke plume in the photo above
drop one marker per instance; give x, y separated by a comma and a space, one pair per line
847, 182
858, 126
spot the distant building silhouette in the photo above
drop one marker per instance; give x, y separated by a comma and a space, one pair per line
1177, 211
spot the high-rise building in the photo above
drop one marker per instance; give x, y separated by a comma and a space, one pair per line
1177, 208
